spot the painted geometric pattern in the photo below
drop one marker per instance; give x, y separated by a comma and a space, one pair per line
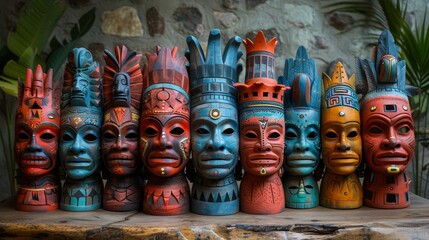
341, 96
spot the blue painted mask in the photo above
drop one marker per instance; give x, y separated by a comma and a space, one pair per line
214, 121
81, 115
302, 114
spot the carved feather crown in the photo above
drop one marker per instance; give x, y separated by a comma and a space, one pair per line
301, 75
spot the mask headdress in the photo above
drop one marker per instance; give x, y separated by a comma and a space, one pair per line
81, 90
260, 87
37, 101
385, 73
213, 76
301, 75
122, 78
339, 91
163, 75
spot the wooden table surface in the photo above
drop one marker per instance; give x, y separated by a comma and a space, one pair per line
316, 223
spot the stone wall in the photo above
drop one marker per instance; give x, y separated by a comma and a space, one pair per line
142, 24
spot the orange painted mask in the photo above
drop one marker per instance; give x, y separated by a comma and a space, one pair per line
340, 133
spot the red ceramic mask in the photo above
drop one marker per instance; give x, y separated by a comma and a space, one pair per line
120, 141
37, 124
122, 88
261, 143
388, 133
168, 141
165, 126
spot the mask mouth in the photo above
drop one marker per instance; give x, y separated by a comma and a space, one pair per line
348, 158
213, 156
215, 163
116, 159
163, 158
391, 158
34, 160
267, 159
78, 162
301, 160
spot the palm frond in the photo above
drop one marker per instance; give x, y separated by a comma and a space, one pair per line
36, 23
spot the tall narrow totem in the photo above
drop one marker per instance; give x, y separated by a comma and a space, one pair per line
37, 129
214, 126
165, 132
387, 126
341, 142
122, 91
302, 127
81, 118
261, 117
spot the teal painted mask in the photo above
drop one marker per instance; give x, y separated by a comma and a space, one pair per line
81, 115
302, 114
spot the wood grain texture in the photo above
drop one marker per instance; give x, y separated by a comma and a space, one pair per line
316, 223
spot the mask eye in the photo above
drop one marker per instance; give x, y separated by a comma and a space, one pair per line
331, 135
90, 137
23, 136
312, 135
228, 131
177, 131
202, 131
150, 131
274, 135
375, 130
290, 134
67, 137
404, 129
109, 136
251, 135
47, 136
352, 134
132, 135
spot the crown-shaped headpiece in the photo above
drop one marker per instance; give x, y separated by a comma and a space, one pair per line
301, 75
165, 83
339, 90
213, 76
260, 85
260, 60
260, 44
37, 101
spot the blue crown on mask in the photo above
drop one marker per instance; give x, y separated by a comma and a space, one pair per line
82, 90
213, 75
301, 75
385, 73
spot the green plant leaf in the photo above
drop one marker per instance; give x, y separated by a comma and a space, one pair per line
8, 87
36, 23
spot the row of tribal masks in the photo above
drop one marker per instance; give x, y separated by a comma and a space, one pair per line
130, 118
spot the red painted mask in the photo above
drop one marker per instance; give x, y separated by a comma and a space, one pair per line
262, 142
37, 124
261, 110
165, 126
388, 133
122, 93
